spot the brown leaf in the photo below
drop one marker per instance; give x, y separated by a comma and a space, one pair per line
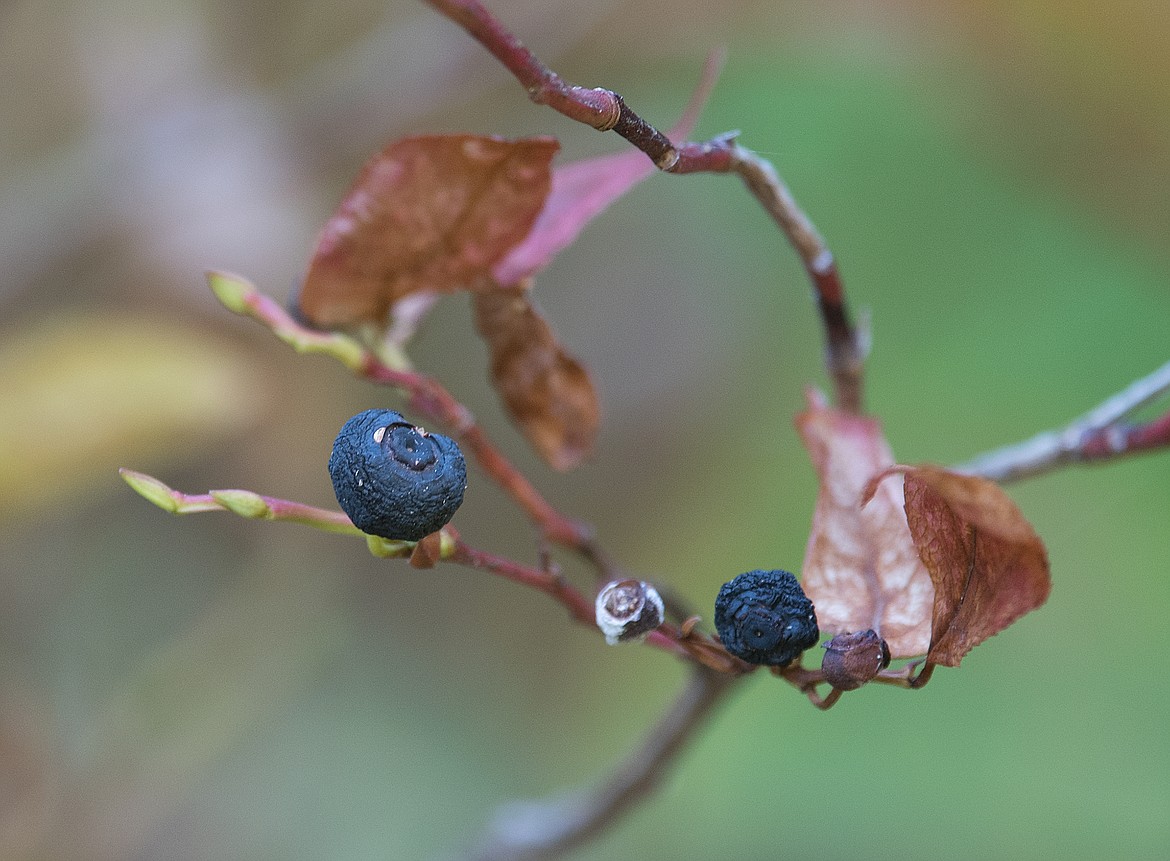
988, 565
428, 213
861, 569
547, 393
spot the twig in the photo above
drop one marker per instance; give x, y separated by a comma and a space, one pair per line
700, 650
605, 110
549, 582
242, 502
549, 828
427, 396
1098, 435
846, 346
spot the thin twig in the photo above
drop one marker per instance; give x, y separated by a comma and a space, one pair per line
1098, 435
245, 503
428, 397
692, 646
846, 345
605, 110
549, 828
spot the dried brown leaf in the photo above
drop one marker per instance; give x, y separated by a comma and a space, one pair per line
861, 569
428, 213
547, 393
988, 565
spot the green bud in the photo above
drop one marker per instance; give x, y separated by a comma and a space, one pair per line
388, 548
151, 489
242, 502
231, 290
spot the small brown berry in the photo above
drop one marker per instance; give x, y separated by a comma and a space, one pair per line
851, 660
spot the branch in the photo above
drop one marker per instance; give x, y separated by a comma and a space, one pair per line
550, 828
444, 546
1099, 434
846, 346
605, 110
427, 397
242, 502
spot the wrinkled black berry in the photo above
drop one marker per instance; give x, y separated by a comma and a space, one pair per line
763, 617
394, 479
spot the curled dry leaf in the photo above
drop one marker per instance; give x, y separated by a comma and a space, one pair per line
428, 213
861, 568
988, 565
548, 394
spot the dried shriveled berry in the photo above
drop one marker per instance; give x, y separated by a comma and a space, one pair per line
628, 610
394, 479
763, 617
851, 660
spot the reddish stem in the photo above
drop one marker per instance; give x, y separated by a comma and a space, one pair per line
806, 681
605, 110
1100, 434
923, 675
596, 108
430, 399
579, 607
557, 587
435, 403
1118, 439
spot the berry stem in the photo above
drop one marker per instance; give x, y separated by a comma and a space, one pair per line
806, 681
605, 110
905, 676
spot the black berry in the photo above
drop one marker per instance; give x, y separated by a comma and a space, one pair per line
394, 479
763, 617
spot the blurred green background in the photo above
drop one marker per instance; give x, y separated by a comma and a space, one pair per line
993, 180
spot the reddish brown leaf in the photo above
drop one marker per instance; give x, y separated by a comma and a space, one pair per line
861, 568
547, 393
988, 565
428, 213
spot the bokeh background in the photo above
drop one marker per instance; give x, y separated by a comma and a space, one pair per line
992, 177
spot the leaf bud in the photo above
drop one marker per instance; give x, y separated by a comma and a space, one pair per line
764, 617
628, 610
851, 660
